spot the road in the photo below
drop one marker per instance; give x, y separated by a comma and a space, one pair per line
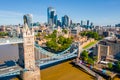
10, 69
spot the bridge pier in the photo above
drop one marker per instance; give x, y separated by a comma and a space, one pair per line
31, 75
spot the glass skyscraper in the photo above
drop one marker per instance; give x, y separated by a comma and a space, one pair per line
51, 14
65, 21
28, 19
87, 22
81, 23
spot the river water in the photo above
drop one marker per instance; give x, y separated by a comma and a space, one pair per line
8, 52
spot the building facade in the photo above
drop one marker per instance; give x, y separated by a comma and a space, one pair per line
108, 50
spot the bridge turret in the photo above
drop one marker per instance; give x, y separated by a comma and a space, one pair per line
27, 31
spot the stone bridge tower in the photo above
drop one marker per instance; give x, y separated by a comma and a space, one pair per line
79, 51
31, 72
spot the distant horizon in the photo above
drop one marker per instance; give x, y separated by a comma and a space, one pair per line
100, 12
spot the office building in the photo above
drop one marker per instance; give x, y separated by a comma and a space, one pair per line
51, 14
81, 23
108, 49
59, 23
65, 21
28, 19
87, 22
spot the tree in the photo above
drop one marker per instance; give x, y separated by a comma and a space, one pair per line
84, 55
110, 66
90, 34
3, 34
118, 66
58, 43
90, 61
65, 31
95, 58
95, 35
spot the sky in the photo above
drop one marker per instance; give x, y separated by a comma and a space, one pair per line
100, 12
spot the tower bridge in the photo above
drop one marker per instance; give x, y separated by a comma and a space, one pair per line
28, 51
40, 56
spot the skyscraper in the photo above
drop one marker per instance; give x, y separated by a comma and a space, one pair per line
51, 13
55, 19
91, 25
28, 19
58, 23
87, 22
65, 21
81, 23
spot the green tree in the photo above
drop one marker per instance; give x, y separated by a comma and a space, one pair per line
90, 34
95, 35
118, 66
95, 58
58, 43
110, 66
65, 31
61, 40
90, 61
84, 55
3, 34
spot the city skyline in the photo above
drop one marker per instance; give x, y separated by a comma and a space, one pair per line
102, 12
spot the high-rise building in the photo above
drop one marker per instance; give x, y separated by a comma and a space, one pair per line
70, 22
88, 22
28, 19
51, 13
55, 19
65, 21
91, 24
81, 23
58, 23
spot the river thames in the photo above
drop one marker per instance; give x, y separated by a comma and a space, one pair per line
8, 52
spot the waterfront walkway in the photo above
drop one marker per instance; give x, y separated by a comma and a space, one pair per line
98, 77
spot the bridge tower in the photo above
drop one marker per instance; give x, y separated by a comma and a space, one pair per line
31, 72
79, 50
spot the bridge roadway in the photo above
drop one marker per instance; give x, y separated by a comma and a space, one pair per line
5, 41
10, 71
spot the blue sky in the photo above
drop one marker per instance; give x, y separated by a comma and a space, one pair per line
100, 12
